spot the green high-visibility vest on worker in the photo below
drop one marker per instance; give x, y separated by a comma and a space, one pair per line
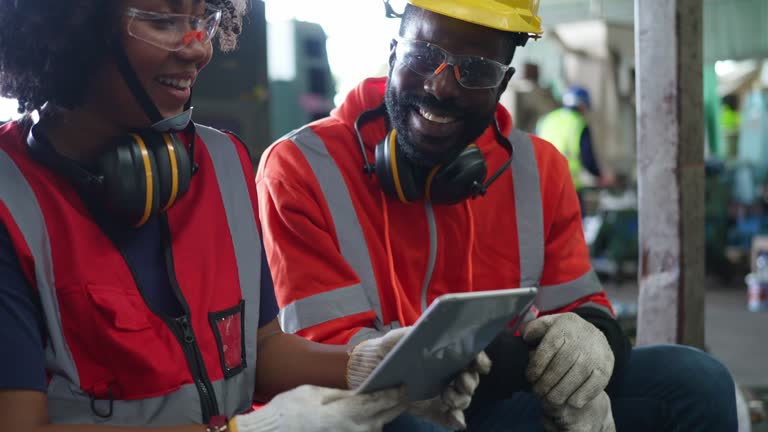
564, 126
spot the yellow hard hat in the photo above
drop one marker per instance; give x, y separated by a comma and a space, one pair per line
520, 16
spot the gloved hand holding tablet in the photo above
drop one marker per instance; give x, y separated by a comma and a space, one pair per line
447, 338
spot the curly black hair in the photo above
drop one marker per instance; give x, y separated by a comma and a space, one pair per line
50, 48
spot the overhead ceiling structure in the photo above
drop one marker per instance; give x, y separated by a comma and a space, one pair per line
733, 29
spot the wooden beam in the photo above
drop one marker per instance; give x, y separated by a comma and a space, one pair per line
670, 163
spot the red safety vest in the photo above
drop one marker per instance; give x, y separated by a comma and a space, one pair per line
349, 262
110, 358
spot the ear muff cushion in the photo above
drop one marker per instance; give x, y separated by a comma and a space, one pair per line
396, 175
131, 179
173, 167
455, 180
184, 160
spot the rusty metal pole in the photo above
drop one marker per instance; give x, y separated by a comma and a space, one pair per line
670, 163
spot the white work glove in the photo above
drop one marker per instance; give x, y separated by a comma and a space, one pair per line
319, 409
445, 410
595, 416
572, 363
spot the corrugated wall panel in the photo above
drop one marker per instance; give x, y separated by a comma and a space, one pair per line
733, 29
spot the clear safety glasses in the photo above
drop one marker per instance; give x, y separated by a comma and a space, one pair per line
172, 31
427, 59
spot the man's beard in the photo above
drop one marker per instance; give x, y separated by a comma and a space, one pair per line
400, 107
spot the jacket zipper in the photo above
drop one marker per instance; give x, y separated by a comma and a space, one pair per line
181, 328
186, 335
197, 367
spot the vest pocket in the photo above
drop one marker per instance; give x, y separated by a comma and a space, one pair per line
123, 309
228, 327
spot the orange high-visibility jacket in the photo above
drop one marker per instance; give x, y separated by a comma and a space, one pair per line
349, 262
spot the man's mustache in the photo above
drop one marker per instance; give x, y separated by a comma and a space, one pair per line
432, 104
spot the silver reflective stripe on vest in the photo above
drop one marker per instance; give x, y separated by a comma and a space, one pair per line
432, 253
552, 297
247, 246
18, 197
68, 404
319, 308
528, 208
530, 230
349, 233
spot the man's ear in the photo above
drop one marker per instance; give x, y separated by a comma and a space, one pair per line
503, 86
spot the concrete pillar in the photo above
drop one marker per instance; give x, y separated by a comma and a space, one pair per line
670, 162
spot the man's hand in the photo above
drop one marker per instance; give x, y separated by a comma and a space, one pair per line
608, 179
596, 416
319, 409
446, 409
368, 354
572, 363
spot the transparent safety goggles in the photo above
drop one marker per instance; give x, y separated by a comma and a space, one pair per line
472, 72
172, 31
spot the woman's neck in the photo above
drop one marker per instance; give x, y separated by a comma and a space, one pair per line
79, 135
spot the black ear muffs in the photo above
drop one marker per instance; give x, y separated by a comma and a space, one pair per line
142, 174
145, 174
451, 182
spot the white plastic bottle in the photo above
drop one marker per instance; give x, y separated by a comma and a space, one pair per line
757, 284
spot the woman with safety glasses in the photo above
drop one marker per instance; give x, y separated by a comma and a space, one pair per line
134, 293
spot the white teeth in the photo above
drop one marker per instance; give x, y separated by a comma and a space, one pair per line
434, 117
180, 84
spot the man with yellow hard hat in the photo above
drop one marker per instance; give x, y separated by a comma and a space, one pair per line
418, 185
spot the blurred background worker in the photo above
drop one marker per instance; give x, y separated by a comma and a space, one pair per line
568, 129
730, 122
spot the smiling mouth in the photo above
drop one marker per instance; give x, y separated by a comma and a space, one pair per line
435, 118
176, 83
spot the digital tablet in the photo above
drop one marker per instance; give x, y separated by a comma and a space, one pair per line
447, 337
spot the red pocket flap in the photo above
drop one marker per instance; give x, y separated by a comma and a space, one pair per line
123, 309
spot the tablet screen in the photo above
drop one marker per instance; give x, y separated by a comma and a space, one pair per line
447, 337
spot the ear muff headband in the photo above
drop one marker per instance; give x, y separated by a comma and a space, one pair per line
395, 171
174, 171
149, 178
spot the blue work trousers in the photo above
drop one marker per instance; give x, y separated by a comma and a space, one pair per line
661, 388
